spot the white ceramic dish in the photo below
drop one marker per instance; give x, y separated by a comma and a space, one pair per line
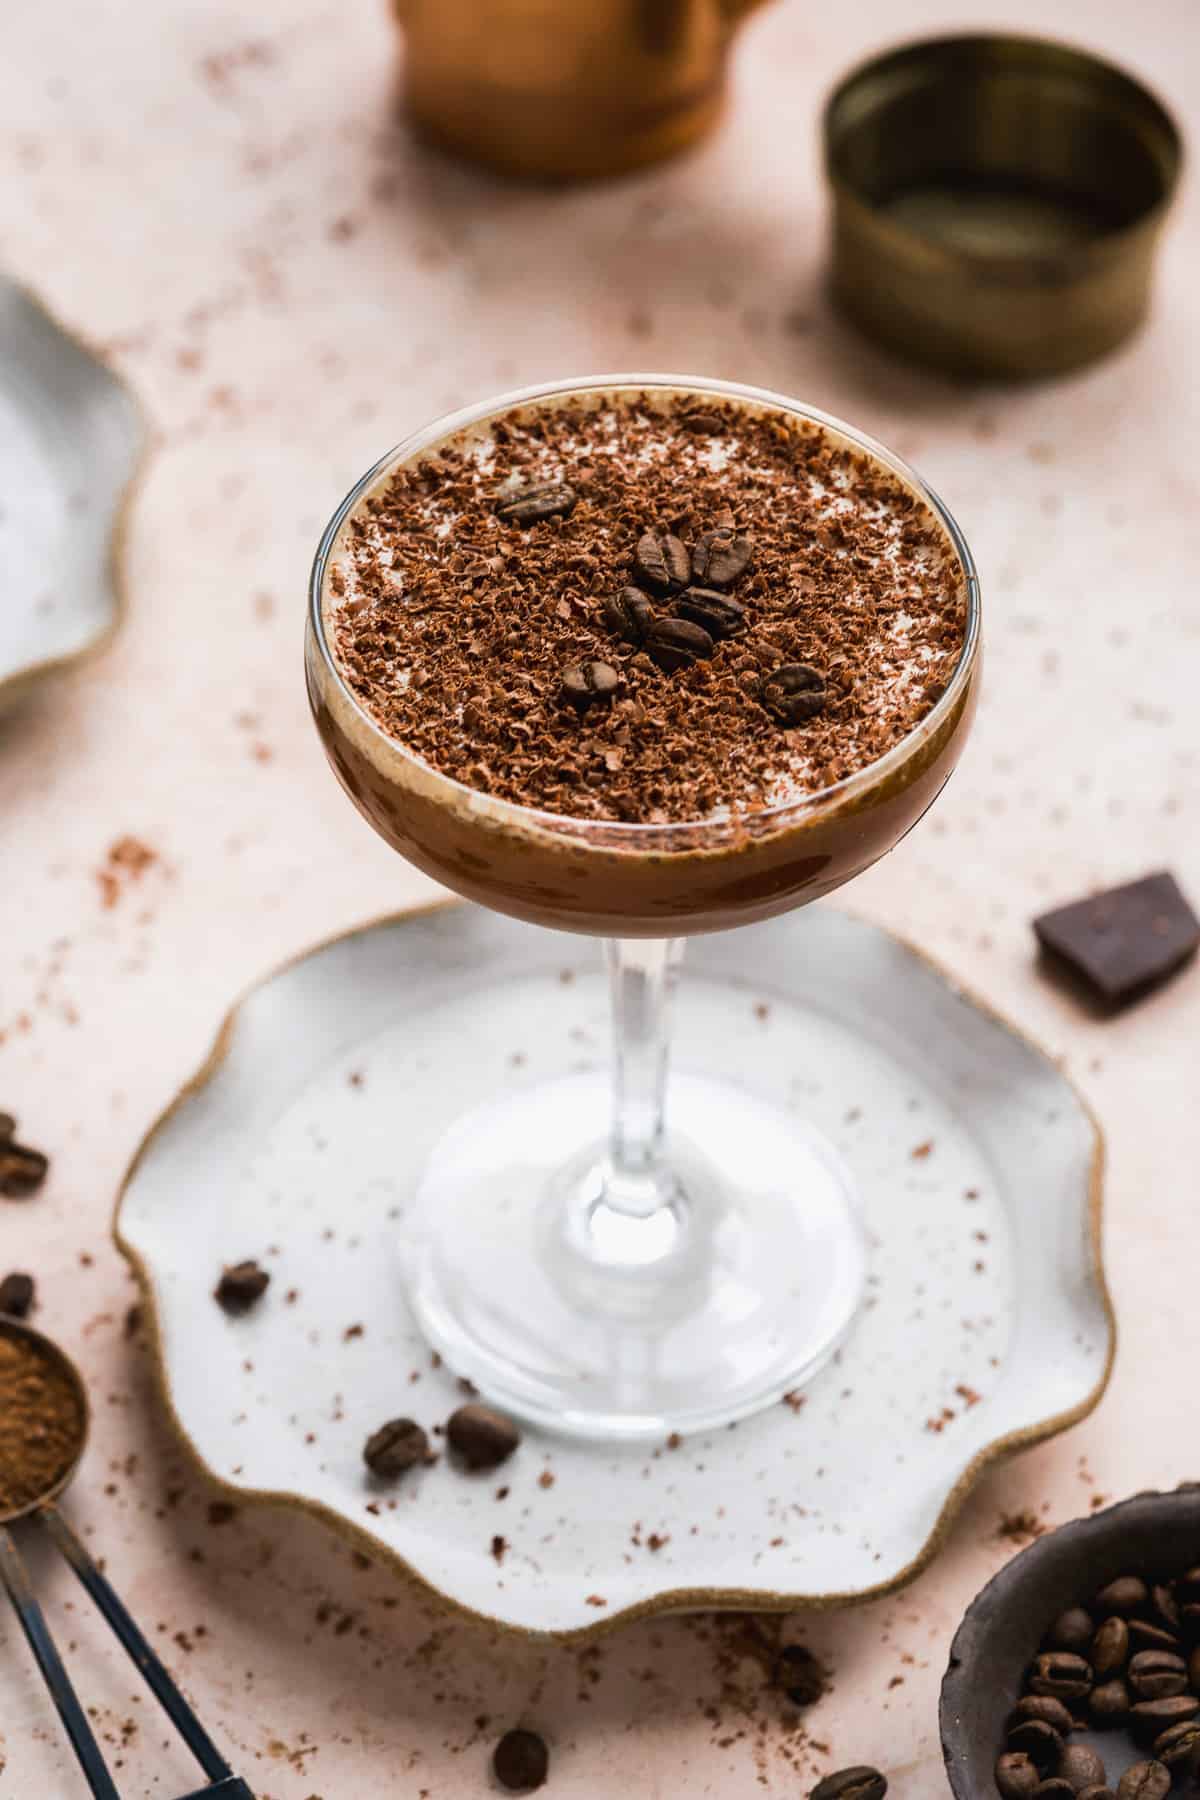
71, 437
298, 1143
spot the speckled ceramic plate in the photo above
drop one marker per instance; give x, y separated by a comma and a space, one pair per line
299, 1142
71, 437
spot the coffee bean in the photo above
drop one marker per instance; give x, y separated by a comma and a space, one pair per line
720, 616
1054, 1789
800, 1675
240, 1286
587, 684
1157, 1674
1096, 1793
859, 1783
1061, 1674
793, 693
396, 1447
1145, 1781
661, 562
1110, 1648
721, 557
677, 643
1110, 1703
1081, 1766
16, 1296
22, 1171
483, 1438
1144, 1636
549, 500
521, 1762
1126, 1595
1179, 1746
1149, 1717
629, 614
1040, 1742
1016, 1776
1194, 1671
1164, 1607
1045, 1707
1072, 1630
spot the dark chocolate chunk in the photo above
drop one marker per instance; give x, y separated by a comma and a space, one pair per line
1123, 942
241, 1284
16, 1296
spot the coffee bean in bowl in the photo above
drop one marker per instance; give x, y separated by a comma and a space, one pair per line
858, 1783
1032, 1708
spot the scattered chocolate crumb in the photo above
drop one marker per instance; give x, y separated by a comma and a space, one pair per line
795, 1399
241, 1285
521, 1761
499, 1546
595, 1600
482, 1437
546, 1479
17, 1296
1020, 1527
922, 1151
351, 1332
657, 1540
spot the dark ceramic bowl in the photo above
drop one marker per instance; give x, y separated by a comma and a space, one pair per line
1152, 1535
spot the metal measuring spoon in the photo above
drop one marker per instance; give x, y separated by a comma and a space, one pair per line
223, 1784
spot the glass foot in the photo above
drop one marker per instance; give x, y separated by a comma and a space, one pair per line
531, 1270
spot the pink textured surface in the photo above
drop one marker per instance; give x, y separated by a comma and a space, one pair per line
222, 201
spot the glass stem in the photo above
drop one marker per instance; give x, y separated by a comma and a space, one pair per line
642, 975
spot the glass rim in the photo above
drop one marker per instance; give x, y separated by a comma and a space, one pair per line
820, 800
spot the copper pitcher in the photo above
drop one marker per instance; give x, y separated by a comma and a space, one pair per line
567, 88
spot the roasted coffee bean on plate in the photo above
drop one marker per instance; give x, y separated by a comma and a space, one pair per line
587, 684
483, 1438
1157, 1674
521, 1762
549, 500
677, 644
794, 693
17, 1295
628, 614
241, 1285
1109, 1703
858, 1783
396, 1447
1017, 1778
1082, 1766
22, 1170
1045, 1707
719, 615
1062, 1674
661, 562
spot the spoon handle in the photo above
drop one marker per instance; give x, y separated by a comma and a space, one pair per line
165, 1692
16, 1579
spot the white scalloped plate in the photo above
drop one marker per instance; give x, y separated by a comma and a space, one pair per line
71, 437
298, 1143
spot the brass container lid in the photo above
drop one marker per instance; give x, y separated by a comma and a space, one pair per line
997, 202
